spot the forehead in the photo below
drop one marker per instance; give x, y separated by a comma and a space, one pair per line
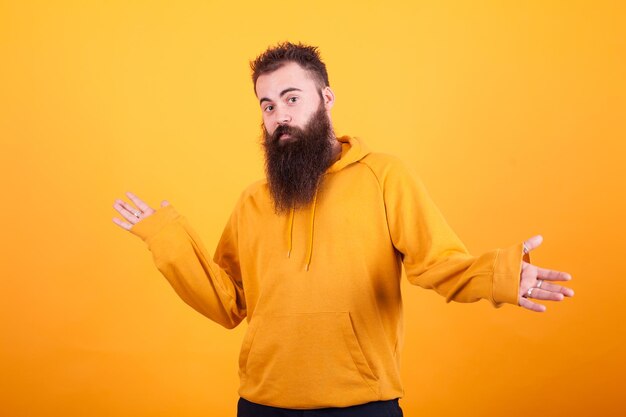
290, 75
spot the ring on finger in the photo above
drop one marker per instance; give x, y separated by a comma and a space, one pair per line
529, 293
526, 250
136, 213
539, 283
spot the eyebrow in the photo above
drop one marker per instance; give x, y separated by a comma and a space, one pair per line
282, 93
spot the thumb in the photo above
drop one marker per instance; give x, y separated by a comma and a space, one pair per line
165, 203
533, 243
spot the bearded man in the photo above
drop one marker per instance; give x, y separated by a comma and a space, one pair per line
312, 257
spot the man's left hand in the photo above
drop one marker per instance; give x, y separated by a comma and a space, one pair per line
534, 282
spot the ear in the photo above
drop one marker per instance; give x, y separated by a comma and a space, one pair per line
329, 97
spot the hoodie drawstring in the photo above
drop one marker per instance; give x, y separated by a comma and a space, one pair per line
309, 249
290, 232
309, 254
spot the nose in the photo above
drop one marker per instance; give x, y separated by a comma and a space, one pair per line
283, 117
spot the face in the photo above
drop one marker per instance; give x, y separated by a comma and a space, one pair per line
290, 96
295, 166
297, 135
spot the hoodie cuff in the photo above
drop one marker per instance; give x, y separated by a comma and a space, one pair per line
149, 227
506, 275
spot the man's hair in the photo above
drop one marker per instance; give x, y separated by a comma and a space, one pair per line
304, 55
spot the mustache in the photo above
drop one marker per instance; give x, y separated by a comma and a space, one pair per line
284, 129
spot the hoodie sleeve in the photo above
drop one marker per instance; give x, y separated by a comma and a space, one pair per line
201, 282
433, 255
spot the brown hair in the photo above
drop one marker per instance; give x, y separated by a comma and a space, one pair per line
304, 55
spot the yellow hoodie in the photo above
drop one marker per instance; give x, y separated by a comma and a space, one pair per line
320, 287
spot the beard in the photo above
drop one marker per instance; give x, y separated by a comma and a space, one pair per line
295, 166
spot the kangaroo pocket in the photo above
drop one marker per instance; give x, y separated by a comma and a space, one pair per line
305, 360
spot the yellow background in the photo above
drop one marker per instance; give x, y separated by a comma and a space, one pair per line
513, 113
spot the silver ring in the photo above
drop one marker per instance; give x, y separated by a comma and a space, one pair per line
540, 282
136, 213
529, 293
526, 250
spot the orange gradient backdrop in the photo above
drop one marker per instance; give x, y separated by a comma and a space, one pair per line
513, 114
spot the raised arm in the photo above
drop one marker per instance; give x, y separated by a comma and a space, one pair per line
209, 288
435, 258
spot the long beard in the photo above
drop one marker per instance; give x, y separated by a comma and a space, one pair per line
295, 166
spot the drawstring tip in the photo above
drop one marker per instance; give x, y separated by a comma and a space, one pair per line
289, 254
307, 268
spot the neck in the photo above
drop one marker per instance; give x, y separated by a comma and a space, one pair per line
336, 152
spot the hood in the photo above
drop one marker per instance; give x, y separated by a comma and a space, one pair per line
352, 150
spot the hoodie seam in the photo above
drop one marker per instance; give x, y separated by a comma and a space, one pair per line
380, 188
382, 195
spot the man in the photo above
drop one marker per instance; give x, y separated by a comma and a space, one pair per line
312, 257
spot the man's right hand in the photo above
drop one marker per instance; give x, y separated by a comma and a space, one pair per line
133, 215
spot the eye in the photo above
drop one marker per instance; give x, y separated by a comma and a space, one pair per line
268, 108
293, 99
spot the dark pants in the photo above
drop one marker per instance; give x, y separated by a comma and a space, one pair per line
389, 408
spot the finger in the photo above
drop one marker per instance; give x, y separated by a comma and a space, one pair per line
127, 211
541, 294
526, 303
568, 292
551, 275
533, 243
127, 207
123, 225
139, 203
165, 203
